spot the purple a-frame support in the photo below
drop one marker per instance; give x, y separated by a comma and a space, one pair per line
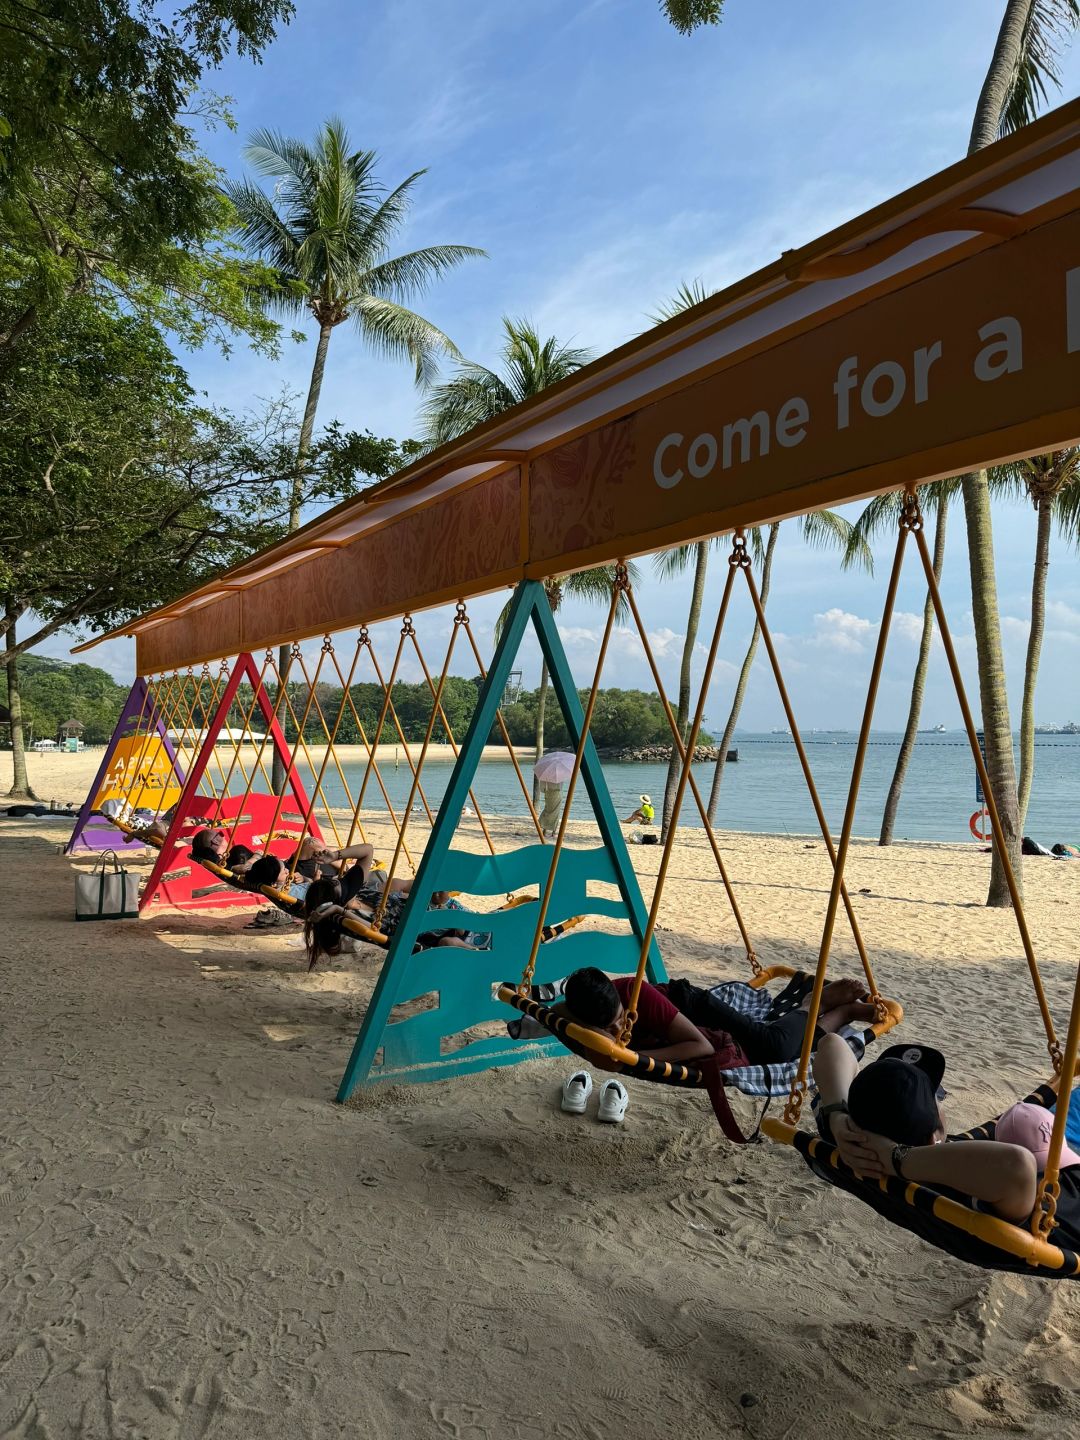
94, 832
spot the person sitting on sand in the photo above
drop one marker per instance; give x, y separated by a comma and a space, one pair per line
664, 1030
644, 814
885, 1120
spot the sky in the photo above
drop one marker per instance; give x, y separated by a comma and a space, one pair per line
601, 159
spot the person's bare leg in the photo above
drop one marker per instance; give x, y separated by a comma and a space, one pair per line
858, 1011
838, 992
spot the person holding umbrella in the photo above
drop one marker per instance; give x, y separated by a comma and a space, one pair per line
552, 771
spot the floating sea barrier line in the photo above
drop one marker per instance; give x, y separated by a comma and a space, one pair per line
895, 744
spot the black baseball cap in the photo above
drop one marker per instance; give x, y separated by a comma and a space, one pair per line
897, 1095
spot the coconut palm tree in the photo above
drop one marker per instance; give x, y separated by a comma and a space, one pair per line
822, 527
1023, 65
325, 235
475, 394
1052, 484
882, 514
674, 562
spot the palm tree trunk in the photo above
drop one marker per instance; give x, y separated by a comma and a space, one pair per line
307, 429
1000, 762
682, 714
541, 706
20, 789
1044, 511
1000, 76
918, 685
744, 679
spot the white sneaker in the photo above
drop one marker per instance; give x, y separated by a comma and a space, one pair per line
613, 1102
576, 1092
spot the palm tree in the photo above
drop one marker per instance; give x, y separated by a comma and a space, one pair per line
667, 565
882, 514
674, 562
325, 236
820, 529
475, 394
1023, 64
1052, 484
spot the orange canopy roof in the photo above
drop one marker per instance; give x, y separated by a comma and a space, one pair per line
939, 331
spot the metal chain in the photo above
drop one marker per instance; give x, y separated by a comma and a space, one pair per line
739, 559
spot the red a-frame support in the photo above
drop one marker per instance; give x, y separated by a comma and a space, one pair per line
176, 879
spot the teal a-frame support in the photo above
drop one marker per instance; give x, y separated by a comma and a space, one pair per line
434, 1041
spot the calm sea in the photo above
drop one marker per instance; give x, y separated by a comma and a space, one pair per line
765, 791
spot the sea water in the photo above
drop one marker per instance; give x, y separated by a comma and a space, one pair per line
765, 792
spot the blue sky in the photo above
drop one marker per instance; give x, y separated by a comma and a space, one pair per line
600, 159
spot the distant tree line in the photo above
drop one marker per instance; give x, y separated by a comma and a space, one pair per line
54, 691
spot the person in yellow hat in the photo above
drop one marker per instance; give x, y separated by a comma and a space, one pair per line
644, 814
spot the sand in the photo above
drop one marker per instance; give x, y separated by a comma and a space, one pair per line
198, 1243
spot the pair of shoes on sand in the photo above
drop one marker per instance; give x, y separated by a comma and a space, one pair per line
269, 919
613, 1097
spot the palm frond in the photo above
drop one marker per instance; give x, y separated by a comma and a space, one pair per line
825, 529
399, 332
1049, 27
261, 228
476, 394
1067, 513
674, 562
409, 274
473, 395
685, 298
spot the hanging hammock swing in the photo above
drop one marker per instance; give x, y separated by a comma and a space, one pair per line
942, 1220
588, 1043
184, 701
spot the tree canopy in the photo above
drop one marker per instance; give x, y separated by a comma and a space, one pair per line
101, 181
118, 492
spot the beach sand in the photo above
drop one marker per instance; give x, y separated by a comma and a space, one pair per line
198, 1243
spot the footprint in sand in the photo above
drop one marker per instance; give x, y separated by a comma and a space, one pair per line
20, 1379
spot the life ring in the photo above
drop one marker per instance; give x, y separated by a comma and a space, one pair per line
973, 825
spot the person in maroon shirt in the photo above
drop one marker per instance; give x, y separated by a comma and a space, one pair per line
665, 1031
660, 1030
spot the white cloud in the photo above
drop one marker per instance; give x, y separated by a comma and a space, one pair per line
838, 629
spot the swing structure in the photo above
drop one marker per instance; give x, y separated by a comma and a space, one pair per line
935, 334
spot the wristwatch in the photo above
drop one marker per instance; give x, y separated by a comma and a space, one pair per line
899, 1155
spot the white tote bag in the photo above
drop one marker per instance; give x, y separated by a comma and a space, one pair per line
107, 894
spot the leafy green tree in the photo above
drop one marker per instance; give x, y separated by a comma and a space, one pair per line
688, 15
475, 394
117, 493
102, 185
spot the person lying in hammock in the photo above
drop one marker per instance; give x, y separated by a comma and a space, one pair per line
312, 861
885, 1120
682, 1023
358, 891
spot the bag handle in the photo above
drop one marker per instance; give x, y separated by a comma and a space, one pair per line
103, 862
